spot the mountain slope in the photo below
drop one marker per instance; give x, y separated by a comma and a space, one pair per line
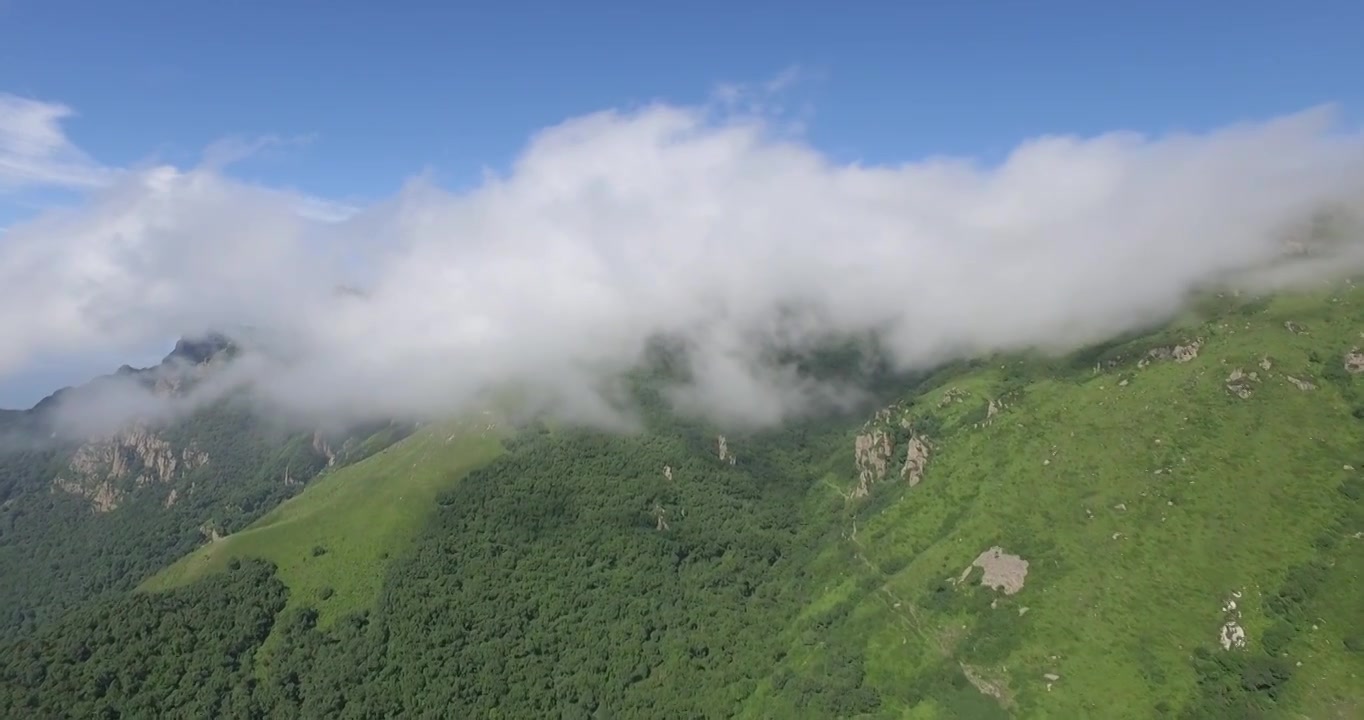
86, 514
1166, 525
331, 541
583, 574
1172, 496
129, 657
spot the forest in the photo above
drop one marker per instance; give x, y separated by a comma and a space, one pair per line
574, 574
1191, 550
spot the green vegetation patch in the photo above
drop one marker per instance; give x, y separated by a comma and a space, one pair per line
1164, 500
332, 541
1168, 525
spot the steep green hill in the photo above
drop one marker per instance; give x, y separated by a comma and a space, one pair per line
1169, 525
331, 541
1170, 495
89, 513
81, 521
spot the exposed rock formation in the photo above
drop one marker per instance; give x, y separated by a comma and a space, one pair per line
1241, 383
1302, 385
1179, 353
1003, 572
871, 454
1354, 361
724, 453
916, 459
874, 449
1232, 635
989, 684
952, 395
210, 531
102, 495
324, 448
104, 471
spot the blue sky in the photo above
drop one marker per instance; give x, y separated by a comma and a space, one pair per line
369, 94
387, 90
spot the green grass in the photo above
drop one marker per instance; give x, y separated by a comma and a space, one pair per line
332, 541
1143, 495
1140, 506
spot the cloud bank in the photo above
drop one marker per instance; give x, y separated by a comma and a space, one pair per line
705, 227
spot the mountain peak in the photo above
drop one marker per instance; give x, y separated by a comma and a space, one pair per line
200, 349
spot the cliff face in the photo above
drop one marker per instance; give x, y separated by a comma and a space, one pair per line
104, 471
877, 445
96, 495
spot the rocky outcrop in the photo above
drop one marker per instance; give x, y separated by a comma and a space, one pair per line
1002, 572
1303, 385
104, 471
991, 684
724, 452
916, 459
324, 448
1181, 353
1354, 361
102, 494
1232, 634
871, 455
875, 448
1242, 384
210, 531
189, 362
993, 407
1185, 353
950, 396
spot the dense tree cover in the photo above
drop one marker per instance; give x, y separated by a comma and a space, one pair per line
547, 583
588, 574
571, 575
186, 653
56, 553
59, 552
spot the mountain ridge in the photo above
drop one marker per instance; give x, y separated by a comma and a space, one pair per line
1163, 525
113, 504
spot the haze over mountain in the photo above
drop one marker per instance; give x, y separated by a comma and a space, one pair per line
708, 226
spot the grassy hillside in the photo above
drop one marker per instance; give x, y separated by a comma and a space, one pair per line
1146, 494
1169, 525
332, 541
59, 549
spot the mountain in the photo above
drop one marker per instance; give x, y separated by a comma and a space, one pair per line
1165, 525
86, 515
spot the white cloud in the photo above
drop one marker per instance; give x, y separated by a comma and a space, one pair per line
618, 227
34, 152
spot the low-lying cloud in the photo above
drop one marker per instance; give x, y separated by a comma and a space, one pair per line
620, 227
